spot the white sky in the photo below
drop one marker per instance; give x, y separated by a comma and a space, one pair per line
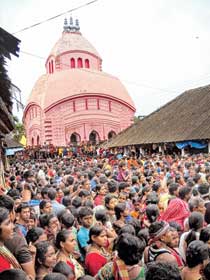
157, 48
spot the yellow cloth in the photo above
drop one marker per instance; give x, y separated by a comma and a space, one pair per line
23, 140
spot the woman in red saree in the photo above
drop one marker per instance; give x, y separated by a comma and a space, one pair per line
97, 255
7, 260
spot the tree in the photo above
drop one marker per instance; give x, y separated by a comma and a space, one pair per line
19, 130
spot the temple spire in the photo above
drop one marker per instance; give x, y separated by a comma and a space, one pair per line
71, 27
77, 25
65, 26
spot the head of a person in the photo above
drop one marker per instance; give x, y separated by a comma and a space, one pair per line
121, 210
63, 268
45, 206
152, 212
197, 253
13, 274
49, 221
152, 198
144, 234
55, 276
23, 211
66, 201
35, 235
98, 236
85, 216
205, 235
6, 225
45, 255
110, 201
51, 194
162, 271
29, 176
101, 216
112, 186
100, 189
206, 272
8, 203
32, 221
127, 228
86, 277
196, 222
77, 202
130, 248
65, 241
67, 220
173, 189
160, 231
203, 190
185, 193
197, 204
174, 242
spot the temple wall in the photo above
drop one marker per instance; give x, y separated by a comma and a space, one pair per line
84, 115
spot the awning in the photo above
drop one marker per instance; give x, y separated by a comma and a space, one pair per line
12, 151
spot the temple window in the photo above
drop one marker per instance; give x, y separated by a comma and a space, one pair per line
49, 66
79, 63
87, 63
52, 66
72, 62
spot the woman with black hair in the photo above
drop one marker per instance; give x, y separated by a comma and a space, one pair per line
7, 259
45, 259
97, 255
65, 269
128, 263
51, 225
197, 256
196, 223
205, 235
34, 236
152, 213
66, 243
101, 191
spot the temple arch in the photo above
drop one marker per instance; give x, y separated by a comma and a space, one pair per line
79, 63
75, 138
111, 134
72, 62
32, 141
87, 63
37, 140
94, 137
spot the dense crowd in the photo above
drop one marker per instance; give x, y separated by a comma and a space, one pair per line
106, 217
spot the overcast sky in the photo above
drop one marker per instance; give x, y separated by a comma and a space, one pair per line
157, 48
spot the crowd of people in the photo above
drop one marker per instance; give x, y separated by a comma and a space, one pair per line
106, 217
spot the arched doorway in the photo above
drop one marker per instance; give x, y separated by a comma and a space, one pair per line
37, 140
75, 138
32, 141
111, 134
94, 137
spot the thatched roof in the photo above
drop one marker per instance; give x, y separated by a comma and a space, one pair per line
11, 142
187, 117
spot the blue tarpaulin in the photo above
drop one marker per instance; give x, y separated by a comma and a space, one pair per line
12, 151
192, 144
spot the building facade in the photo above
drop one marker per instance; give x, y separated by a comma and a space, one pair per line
75, 101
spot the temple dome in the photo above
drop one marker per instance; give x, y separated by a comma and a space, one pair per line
72, 42
52, 89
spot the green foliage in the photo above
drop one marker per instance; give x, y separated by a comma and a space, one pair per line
19, 130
